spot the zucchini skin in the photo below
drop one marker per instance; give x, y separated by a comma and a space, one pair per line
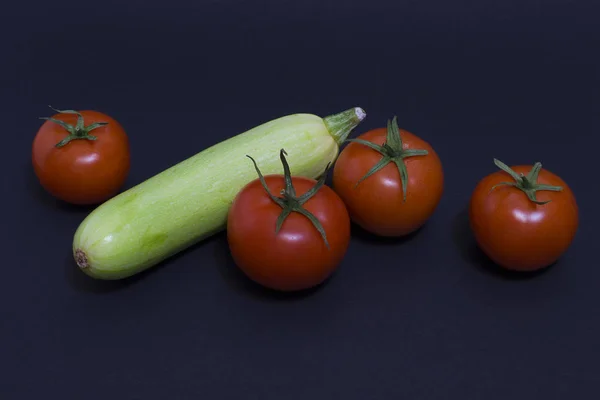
189, 201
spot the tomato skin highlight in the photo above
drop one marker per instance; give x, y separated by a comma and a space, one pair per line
376, 204
296, 258
516, 233
82, 172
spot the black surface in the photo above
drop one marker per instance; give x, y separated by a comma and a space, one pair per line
425, 318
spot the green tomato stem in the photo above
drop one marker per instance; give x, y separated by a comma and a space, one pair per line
288, 201
79, 131
526, 183
391, 151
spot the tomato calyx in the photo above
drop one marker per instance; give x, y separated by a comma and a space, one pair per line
526, 183
289, 201
391, 151
79, 131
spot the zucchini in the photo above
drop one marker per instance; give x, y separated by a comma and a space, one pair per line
189, 201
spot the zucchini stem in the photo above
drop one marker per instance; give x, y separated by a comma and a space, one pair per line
340, 125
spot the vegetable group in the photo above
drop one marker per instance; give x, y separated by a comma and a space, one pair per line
524, 218
81, 157
190, 201
287, 233
390, 180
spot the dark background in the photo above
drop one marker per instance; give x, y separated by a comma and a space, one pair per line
426, 318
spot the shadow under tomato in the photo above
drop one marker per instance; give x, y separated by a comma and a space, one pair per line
236, 279
475, 257
365, 236
37, 192
44, 198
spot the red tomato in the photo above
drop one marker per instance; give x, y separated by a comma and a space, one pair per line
81, 157
524, 218
401, 196
298, 256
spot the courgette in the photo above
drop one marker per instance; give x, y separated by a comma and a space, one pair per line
188, 202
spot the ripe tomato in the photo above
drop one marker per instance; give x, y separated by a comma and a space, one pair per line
390, 180
524, 218
81, 157
292, 242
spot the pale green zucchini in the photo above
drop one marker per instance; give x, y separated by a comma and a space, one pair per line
188, 202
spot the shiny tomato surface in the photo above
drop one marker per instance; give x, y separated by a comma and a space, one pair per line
516, 233
81, 171
296, 257
377, 203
